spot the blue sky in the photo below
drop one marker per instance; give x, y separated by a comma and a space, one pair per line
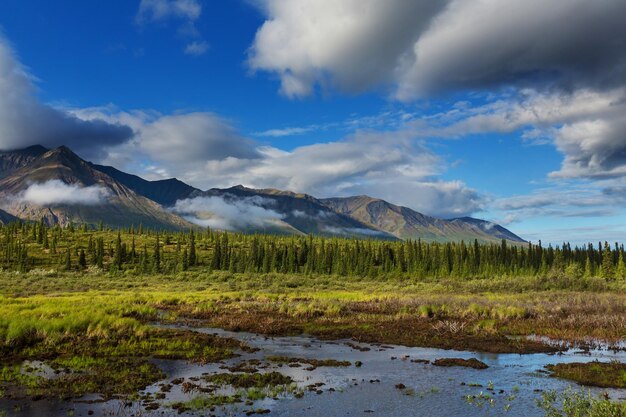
500, 110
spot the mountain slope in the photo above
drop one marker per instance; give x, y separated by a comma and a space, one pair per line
10, 161
6, 218
120, 206
304, 213
164, 192
129, 199
406, 223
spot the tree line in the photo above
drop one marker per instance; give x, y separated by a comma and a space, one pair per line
144, 251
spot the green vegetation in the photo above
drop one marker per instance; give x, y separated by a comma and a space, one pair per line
467, 363
107, 377
271, 379
35, 245
313, 362
84, 301
597, 374
579, 404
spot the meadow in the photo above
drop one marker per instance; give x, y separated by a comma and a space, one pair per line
85, 301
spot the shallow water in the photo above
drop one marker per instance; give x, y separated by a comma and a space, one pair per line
368, 390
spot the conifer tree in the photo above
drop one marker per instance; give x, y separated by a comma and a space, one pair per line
117, 261
157, 255
68, 260
607, 262
192, 249
82, 261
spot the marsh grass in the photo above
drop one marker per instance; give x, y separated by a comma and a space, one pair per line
597, 374
88, 321
574, 403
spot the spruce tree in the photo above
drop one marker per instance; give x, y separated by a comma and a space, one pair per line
192, 250
68, 260
117, 261
607, 262
620, 270
82, 261
157, 255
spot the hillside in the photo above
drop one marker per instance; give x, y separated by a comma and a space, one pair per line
406, 223
120, 206
123, 199
303, 212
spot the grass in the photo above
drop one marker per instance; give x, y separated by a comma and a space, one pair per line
96, 325
313, 362
99, 342
572, 403
271, 379
467, 363
597, 374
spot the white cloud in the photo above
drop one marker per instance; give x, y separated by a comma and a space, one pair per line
208, 152
25, 121
560, 64
476, 44
424, 47
228, 213
197, 48
56, 192
351, 44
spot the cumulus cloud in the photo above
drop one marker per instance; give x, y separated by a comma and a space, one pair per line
422, 47
25, 121
586, 126
194, 136
177, 145
350, 44
476, 44
56, 192
562, 65
593, 148
208, 152
228, 213
325, 167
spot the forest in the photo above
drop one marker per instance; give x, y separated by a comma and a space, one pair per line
25, 246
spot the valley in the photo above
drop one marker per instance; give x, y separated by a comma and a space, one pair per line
142, 322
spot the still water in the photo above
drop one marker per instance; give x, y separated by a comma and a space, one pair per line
510, 386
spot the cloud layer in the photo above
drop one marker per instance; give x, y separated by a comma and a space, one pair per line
25, 121
421, 47
228, 214
55, 192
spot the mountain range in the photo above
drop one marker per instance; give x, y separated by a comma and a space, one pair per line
58, 186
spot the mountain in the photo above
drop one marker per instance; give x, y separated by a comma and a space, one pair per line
406, 223
120, 206
492, 229
69, 189
6, 218
302, 212
11, 161
164, 192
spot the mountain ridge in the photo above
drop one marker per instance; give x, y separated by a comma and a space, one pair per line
132, 199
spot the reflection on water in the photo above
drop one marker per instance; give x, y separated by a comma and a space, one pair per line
387, 384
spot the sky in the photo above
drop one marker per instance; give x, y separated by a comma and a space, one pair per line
512, 111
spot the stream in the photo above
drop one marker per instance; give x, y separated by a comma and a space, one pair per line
390, 382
